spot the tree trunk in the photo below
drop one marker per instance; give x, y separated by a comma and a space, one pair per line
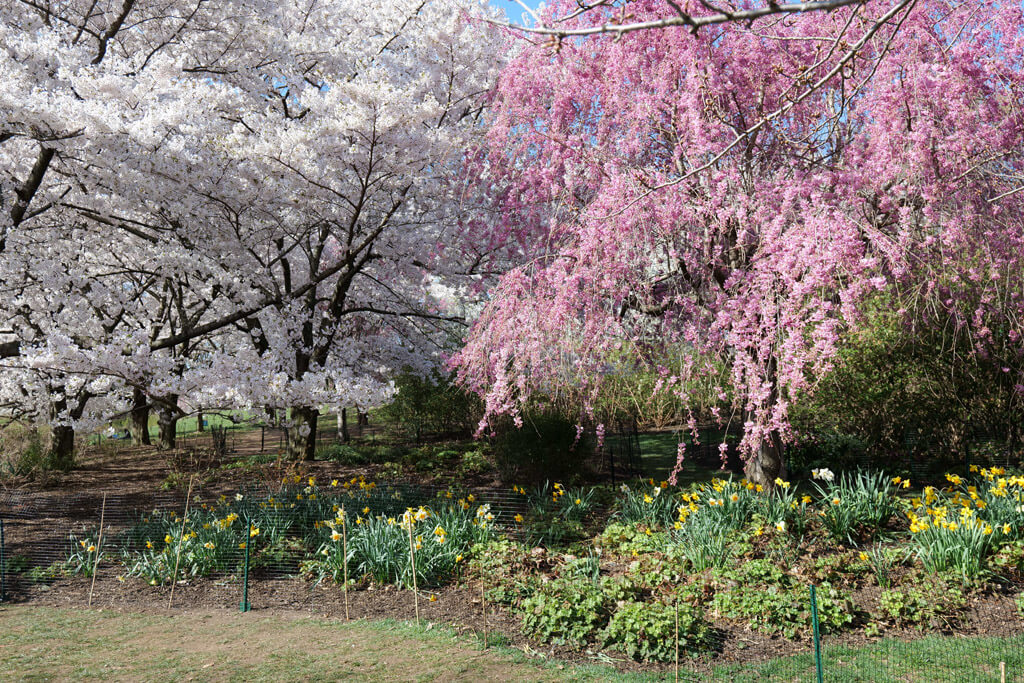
140, 418
62, 447
167, 423
61, 454
199, 421
343, 434
767, 463
302, 434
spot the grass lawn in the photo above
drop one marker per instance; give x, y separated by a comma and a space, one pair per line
658, 455
40, 644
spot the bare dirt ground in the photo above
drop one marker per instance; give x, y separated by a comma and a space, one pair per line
117, 466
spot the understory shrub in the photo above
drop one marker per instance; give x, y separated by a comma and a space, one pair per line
430, 404
24, 452
547, 446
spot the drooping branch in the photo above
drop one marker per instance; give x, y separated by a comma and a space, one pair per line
680, 18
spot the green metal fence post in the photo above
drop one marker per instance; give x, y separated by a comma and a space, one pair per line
244, 606
817, 634
3, 564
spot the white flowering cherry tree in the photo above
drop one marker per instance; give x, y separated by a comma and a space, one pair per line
239, 204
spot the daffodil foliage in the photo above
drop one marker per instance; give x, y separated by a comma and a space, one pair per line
737, 192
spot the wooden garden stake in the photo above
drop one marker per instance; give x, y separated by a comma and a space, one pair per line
412, 558
181, 537
344, 552
483, 608
99, 544
677, 641
1002, 672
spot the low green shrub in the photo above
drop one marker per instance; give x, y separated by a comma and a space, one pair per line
566, 611
501, 564
474, 462
646, 630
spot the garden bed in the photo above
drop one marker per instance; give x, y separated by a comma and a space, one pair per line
578, 573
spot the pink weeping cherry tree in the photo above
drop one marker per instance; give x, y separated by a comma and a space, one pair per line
737, 193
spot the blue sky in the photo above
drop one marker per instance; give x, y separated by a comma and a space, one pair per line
512, 10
